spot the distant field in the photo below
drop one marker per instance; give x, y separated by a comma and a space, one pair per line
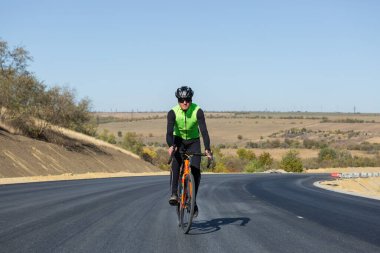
235, 130
278, 153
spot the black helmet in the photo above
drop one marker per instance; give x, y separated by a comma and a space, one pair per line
184, 92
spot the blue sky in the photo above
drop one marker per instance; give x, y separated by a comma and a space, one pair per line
277, 55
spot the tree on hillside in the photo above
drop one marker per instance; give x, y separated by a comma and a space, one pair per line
26, 103
15, 60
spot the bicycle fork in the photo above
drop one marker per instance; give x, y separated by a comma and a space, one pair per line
186, 172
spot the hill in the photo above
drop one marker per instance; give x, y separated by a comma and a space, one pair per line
21, 156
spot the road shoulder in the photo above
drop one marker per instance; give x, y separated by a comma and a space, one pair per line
362, 187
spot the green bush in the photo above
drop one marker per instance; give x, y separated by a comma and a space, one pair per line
149, 155
365, 146
104, 135
219, 167
162, 156
311, 144
327, 154
133, 142
291, 162
107, 137
251, 144
258, 164
254, 166
265, 160
112, 139
245, 154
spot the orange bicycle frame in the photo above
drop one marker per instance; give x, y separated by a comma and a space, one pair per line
186, 172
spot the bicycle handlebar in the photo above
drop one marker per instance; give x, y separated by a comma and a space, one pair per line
190, 154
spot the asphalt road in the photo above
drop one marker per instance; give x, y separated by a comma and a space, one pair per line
238, 213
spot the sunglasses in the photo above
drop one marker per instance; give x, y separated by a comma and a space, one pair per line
182, 100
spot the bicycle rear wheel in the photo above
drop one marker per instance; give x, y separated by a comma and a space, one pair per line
187, 208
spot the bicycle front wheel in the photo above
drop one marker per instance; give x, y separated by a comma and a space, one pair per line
187, 208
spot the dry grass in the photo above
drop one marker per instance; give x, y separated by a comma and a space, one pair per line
374, 140
150, 130
226, 131
88, 139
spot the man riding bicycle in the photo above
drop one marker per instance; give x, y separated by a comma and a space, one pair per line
183, 124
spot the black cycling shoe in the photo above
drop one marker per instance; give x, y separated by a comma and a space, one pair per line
173, 200
196, 211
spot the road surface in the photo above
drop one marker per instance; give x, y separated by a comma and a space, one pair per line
238, 213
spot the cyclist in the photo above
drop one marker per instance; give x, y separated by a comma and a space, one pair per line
183, 124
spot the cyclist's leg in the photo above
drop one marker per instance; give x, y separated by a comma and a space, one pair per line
176, 164
197, 178
195, 147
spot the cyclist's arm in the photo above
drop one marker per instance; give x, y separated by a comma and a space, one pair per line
203, 128
170, 128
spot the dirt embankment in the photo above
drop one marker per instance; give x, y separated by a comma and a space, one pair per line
24, 157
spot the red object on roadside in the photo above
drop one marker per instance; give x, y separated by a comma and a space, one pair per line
335, 174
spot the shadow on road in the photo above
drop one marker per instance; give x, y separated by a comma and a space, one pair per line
205, 227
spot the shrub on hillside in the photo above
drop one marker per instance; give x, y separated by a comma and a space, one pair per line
232, 164
327, 154
148, 155
311, 163
291, 162
219, 167
245, 154
112, 138
265, 160
107, 137
258, 164
311, 144
251, 144
254, 166
133, 142
162, 159
365, 146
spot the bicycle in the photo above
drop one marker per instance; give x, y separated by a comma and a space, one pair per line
186, 191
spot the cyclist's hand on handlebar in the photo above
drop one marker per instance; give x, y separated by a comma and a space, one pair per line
209, 157
171, 150
209, 154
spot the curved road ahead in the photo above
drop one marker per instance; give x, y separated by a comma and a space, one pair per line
238, 213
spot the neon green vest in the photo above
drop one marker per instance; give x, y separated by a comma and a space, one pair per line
186, 123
